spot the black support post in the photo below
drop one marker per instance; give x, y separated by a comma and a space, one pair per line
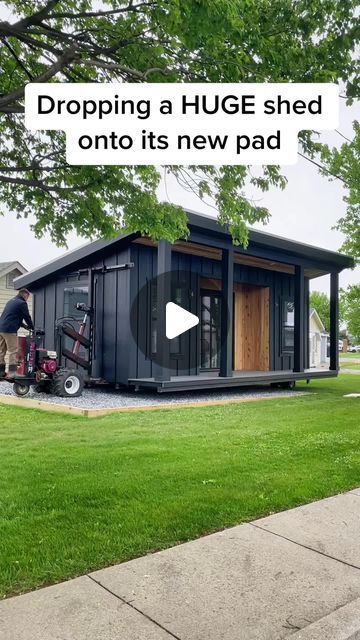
299, 327
307, 325
334, 321
162, 370
227, 279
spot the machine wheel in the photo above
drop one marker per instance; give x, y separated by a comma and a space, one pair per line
43, 387
21, 389
67, 383
291, 384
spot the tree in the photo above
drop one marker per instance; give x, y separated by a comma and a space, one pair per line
350, 301
321, 303
345, 163
154, 40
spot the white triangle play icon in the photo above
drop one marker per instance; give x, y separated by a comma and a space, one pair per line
178, 320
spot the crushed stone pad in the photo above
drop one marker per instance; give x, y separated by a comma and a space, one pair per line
104, 397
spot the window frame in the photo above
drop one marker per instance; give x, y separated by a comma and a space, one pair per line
14, 275
212, 293
179, 354
286, 350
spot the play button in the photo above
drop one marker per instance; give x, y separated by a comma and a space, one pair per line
178, 320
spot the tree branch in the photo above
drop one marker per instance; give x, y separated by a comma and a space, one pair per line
320, 166
113, 66
20, 63
62, 61
342, 135
15, 109
37, 184
100, 14
35, 167
37, 17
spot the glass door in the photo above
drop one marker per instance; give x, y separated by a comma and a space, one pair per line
210, 328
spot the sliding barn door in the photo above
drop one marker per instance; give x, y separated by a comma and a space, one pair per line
251, 328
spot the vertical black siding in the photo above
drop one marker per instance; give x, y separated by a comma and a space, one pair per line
116, 355
112, 330
281, 285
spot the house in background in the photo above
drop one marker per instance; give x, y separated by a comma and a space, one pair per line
252, 305
318, 339
8, 272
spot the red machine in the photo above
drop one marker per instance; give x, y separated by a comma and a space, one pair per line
40, 367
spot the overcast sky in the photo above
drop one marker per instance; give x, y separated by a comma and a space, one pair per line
306, 211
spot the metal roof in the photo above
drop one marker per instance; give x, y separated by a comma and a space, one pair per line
196, 221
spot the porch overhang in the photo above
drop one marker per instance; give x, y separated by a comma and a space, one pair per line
214, 243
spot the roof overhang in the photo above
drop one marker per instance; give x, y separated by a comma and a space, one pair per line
276, 248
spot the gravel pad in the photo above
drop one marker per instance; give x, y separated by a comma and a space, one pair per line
104, 397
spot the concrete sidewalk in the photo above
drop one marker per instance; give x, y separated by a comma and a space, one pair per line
295, 573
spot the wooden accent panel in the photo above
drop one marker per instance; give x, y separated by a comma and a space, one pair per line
210, 283
251, 328
190, 248
197, 250
261, 263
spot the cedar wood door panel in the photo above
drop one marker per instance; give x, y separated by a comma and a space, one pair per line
251, 324
251, 328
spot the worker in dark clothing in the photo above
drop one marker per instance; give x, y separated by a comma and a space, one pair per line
15, 315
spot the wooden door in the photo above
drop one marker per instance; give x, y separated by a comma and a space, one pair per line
251, 328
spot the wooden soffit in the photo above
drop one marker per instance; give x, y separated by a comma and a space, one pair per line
190, 248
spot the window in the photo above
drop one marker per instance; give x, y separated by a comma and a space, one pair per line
210, 329
10, 277
288, 321
73, 295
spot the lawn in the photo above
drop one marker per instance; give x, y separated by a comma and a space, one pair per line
350, 365
79, 494
347, 355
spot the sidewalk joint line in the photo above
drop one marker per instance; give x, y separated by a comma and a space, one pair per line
158, 624
304, 546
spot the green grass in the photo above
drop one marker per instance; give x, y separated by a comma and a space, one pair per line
350, 365
348, 355
79, 494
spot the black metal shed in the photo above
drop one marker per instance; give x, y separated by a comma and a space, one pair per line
252, 305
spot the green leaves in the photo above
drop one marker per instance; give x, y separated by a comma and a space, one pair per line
345, 163
162, 41
350, 303
321, 303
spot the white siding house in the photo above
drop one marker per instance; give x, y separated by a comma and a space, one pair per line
8, 272
318, 339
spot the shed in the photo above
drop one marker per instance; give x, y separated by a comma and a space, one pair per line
252, 305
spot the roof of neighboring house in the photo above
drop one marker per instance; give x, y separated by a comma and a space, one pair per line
314, 314
8, 267
197, 221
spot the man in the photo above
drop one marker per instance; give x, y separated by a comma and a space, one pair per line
15, 313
